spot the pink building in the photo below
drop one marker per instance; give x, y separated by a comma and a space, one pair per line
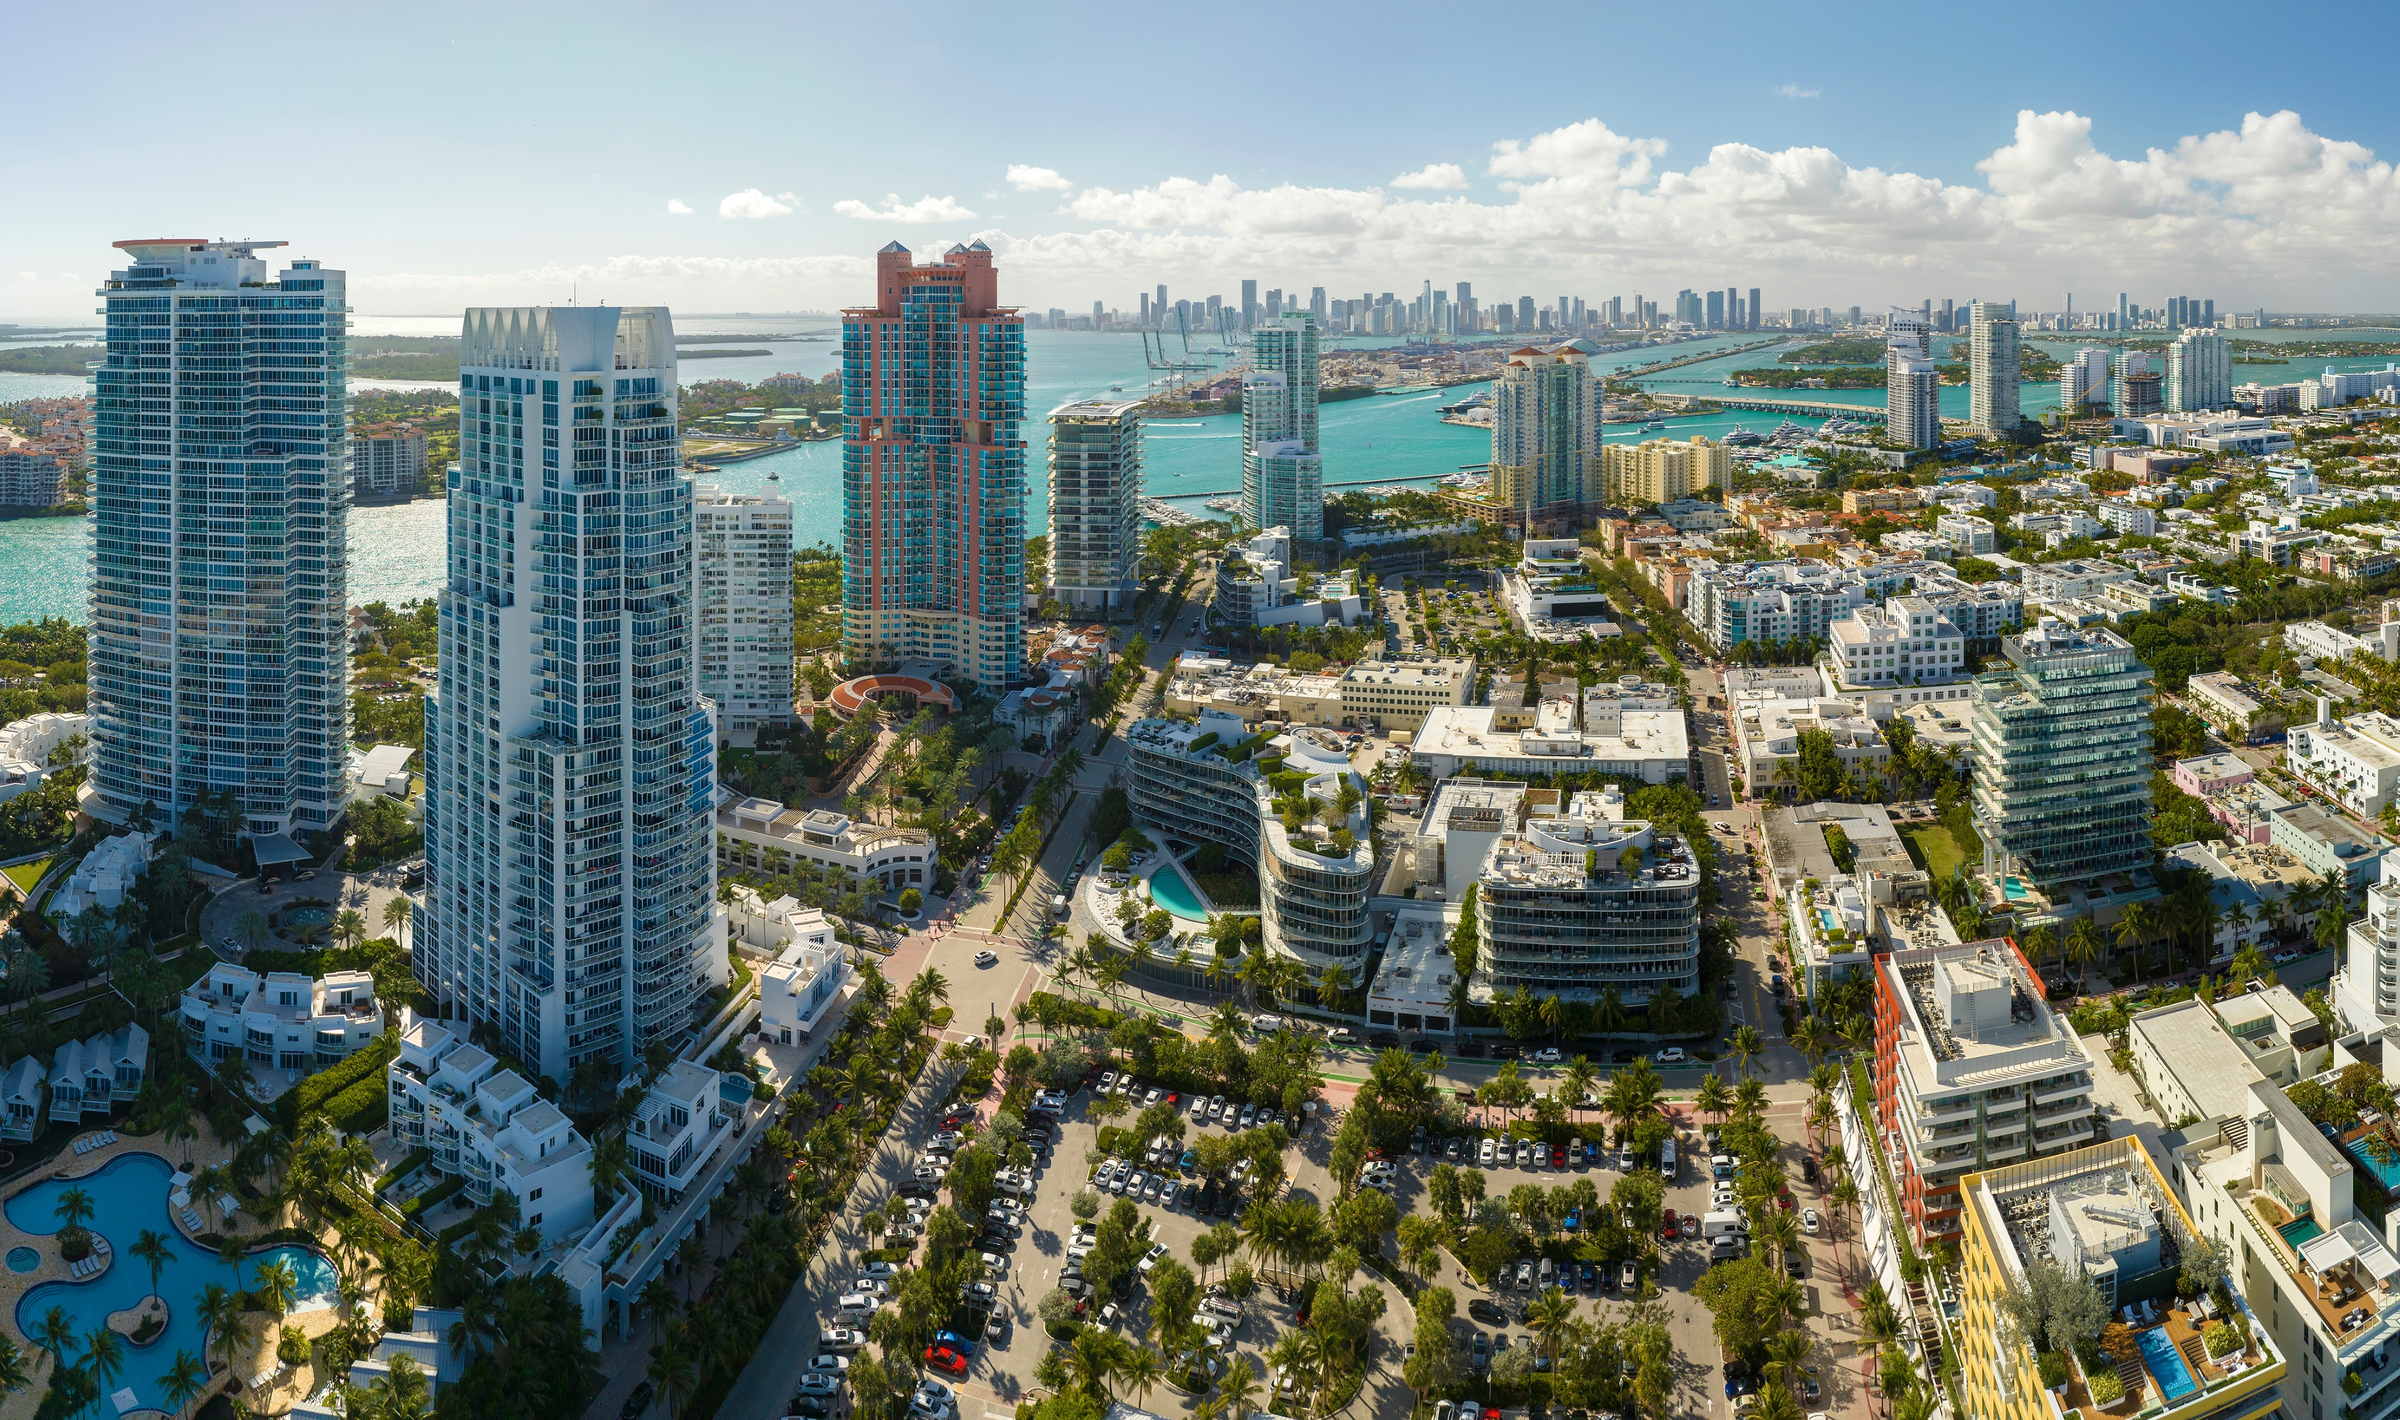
2210, 774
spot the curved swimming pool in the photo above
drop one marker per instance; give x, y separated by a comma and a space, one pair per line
1170, 891
128, 1195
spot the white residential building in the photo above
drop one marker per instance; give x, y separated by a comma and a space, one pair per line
280, 1020
1907, 641
2083, 380
1258, 585
488, 1128
742, 610
1912, 384
2199, 372
1971, 536
1551, 582
679, 1125
2366, 987
1650, 745
2129, 519
802, 988
26, 746
1767, 730
1282, 474
570, 894
1772, 601
752, 831
1992, 369
2355, 761
1096, 504
102, 879
2073, 578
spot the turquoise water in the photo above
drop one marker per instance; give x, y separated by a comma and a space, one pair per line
44, 562
1170, 891
2165, 1363
23, 1259
2299, 1232
2013, 889
2387, 1174
128, 1195
307, 917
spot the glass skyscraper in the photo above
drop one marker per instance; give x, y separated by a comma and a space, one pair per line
2062, 760
1282, 477
933, 471
570, 877
220, 520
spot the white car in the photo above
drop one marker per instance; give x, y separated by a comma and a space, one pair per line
1151, 1186
1378, 1168
830, 1363
844, 1338
1216, 1108
1199, 1110
1672, 1055
1151, 1258
994, 1263
820, 1383
1153, 1097
879, 1268
876, 1287
1809, 1221
987, 957
1549, 1055
1487, 1154
1131, 1185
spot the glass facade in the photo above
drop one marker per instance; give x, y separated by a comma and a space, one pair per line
570, 760
220, 514
2062, 758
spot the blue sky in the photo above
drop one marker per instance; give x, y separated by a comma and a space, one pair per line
1829, 155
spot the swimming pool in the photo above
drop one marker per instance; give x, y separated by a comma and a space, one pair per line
2013, 889
1170, 891
2165, 1363
128, 1195
2299, 1231
2384, 1172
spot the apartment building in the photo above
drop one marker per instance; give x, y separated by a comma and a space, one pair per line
933, 470
1663, 470
1204, 782
2062, 768
2073, 578
1981, 611
2281, 1199
1772, 601
30, 477
1906, 641
1282, 473
2220, 698
760, 834
1545, 434
801, 988
2105, 1213
487, 1127
196, 688
1572, 897
1653, 746
1095, 504
570, 895
386, 459
1912, 384
2366, 987
1258, 584
280, 1020
1972, 1070
1398, 695
1992, 369
742, 609
1970, 535
2355, 760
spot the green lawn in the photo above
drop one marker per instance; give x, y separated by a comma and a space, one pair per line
25, 875
1931, 847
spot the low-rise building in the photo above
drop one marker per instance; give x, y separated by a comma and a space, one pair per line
2074, 577
102, 879
1972, 536
28, 745
2129, 519
2254, 888
2203, 775
752, 833
1766, 735
2220, 698
800, 989
1972, 1070
1398, 695
2198, 1059
487, 1127
2329, 845
677, 1127
1653, 746
1552, 582
1797, 598
1416, 986
282, 1020
2355, 761
1259, 585
1906, 641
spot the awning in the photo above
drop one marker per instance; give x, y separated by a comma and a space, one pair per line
273, 850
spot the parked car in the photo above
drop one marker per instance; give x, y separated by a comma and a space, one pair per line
1809, 1221
1549, 1055
1672, 1055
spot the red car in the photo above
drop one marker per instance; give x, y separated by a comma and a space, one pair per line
1173, 1099
942, 1358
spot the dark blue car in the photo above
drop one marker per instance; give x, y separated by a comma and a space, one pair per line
955, 1342
1589, 1276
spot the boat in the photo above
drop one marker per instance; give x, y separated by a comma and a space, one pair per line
1741, 437
1116, 389
1478, 401
773, 477
1654, 426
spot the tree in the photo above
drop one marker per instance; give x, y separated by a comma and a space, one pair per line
349, 926
251, 929
183, 1381
396, 910
1747, 1045
152, 1247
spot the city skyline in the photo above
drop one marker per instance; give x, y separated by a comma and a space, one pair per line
1791, 178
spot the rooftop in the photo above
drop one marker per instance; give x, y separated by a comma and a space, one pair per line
1976, 1016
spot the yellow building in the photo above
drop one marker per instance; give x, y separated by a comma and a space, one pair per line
1663, 470
2108, 1212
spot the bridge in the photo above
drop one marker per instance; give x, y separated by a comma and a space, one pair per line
1828, 409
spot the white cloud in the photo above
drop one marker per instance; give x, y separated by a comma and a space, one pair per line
750, 202
1032, 179
1434, 175
924, 209
677, 207
1794, 91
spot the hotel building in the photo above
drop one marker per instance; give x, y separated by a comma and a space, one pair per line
933, 471
1972, 1069
220, 658
1912, 409
1095, 504
1282, 475
743, 609
570, 892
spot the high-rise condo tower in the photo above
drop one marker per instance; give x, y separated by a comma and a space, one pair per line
1282, 477
1095, 503
742, 553
219, 657
1912, 386
1991, 368
1546, 435
570, 877
2199, 371
933, 471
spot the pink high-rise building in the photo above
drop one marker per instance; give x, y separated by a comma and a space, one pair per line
933, 471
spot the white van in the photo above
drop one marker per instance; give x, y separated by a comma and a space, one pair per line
1723, 1223
854, 1307
1058, 906
1666, 1161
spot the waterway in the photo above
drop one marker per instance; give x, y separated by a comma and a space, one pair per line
1389, 439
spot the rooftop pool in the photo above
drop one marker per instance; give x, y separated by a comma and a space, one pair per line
128, 1195
1169, 890
2165, 1363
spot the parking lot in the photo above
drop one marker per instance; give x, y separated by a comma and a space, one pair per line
1000, 1372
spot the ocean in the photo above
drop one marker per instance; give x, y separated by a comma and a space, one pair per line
1386, 439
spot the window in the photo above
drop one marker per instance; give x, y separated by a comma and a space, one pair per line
534, 1197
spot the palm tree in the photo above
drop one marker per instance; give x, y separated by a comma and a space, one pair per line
103, 1355
1750, 1097
349, 926
1141, 1370
2132, 928
276, 1287
221, 1312
55, 1333
1608, 1013
673, 1370
1576, 1081
396, 913
1237, 1393
13, 1375
183, 1381
1712, 1097
251, 929
1747, 1045
2083, 948
1549, 1316
151, 1247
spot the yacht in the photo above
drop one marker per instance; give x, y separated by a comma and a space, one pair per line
1741, 437
1654, 426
